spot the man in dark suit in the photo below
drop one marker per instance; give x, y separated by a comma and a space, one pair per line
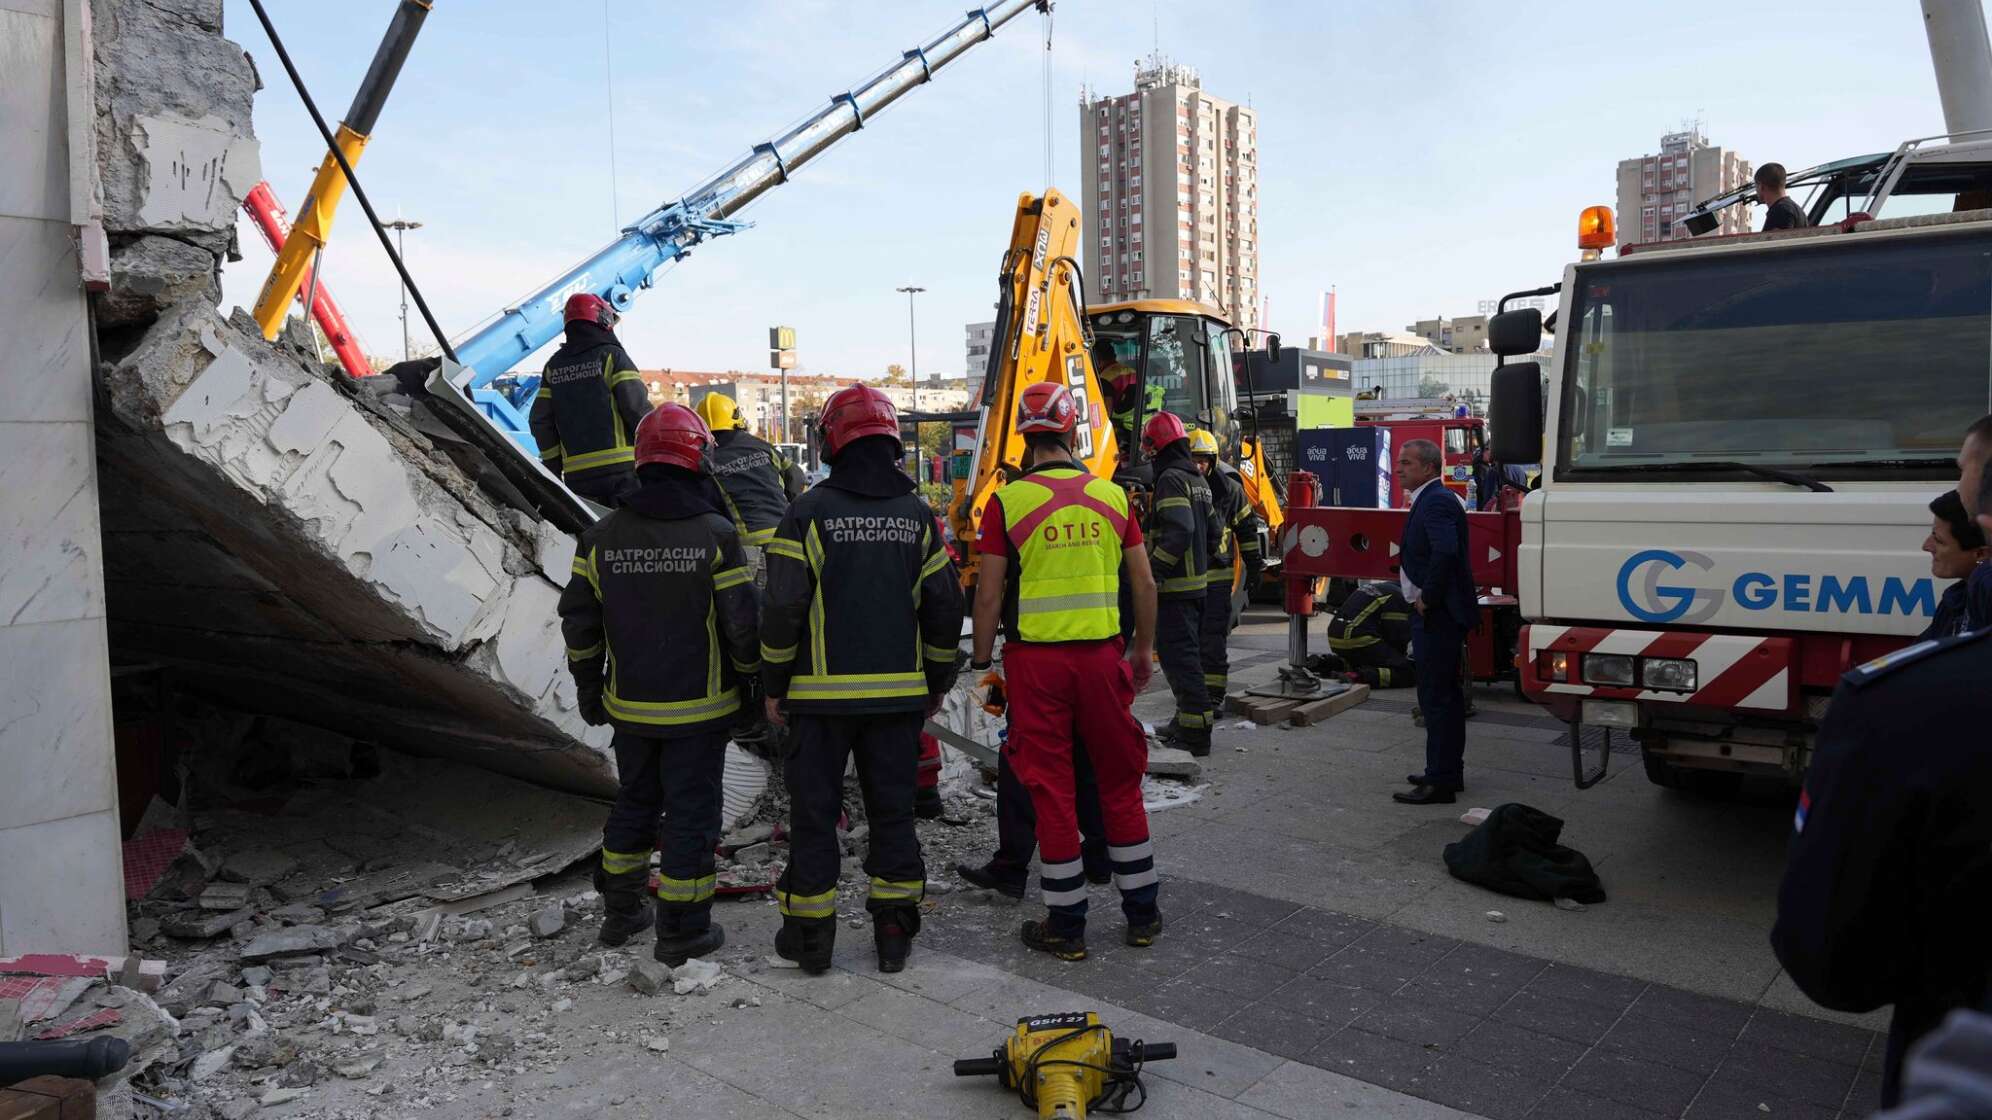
1437, 581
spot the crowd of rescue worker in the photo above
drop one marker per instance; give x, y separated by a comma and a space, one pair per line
719, 601
717, 591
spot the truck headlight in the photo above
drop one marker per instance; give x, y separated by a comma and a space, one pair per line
1672, 674
1608, 668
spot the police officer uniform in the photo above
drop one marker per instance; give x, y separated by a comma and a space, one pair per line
861, 627
1887, 895
590, 400
1371, 633
1183, 535
660, 624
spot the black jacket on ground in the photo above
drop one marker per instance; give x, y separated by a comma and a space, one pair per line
1887, 892
1514, 851
1183, 530
864, 606
590, 400
660, 615
759, 480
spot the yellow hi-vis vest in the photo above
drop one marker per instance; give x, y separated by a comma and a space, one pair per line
1065, 528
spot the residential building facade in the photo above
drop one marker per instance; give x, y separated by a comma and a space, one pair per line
1656, 191
1465, 334
980, 335
1171, 194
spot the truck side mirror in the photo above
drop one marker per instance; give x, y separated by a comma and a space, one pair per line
1513, 333
1514, 412
1273, 347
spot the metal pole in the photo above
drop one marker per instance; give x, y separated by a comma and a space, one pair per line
785, 407
401, 226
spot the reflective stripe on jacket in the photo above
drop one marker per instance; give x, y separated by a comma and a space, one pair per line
585, 414
661, 615
759, 481
1183, 532
1065, 528
864, 607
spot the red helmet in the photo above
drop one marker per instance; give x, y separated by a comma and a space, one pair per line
673, 435
1046, 406
589, 307
854, 413
1163, 429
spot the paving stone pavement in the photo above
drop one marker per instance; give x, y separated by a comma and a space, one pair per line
1487, 1031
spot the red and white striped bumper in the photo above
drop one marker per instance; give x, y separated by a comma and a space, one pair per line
1732, 671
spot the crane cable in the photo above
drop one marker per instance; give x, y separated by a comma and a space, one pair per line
1047, 95
609, 78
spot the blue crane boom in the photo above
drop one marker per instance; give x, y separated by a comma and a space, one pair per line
627, 264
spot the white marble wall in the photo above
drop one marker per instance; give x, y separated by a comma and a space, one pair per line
61, 875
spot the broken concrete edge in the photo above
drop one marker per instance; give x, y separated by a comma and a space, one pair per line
341, 517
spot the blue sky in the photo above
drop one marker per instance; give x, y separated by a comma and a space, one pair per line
1421, 155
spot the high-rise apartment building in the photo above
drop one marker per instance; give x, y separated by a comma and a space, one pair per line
1171, 193
1655, 191
980, 335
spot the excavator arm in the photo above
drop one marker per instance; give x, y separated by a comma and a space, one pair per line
1041, 335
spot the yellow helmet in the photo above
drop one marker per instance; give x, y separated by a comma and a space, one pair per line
1203, 443
719, 412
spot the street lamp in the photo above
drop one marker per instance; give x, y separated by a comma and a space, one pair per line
912, 337
401, 226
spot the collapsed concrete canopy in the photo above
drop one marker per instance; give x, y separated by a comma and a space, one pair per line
277, 537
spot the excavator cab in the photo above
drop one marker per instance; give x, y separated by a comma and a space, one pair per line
1180, 348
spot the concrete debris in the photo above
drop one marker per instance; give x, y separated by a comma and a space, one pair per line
276, 1097
257, 976
548, 922
259, 868
1474, 816
754, 855
1496, 916
470, 929
657, 1043
200, 925
649, 976
211, 1063
696, 975
743, 837
1173, 762
587, 968
1569, 904
224, 896
291, 942
298, 914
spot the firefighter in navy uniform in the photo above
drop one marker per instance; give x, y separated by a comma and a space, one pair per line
858, 643
758, 479
1183, 535
1887, 894
591, 398
1238, 534
1371, 633
660, 619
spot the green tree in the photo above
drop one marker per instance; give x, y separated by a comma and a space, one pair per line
1429, 386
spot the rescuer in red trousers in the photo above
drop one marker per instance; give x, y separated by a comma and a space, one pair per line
1054, 546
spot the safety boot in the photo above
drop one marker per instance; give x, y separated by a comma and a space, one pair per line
622, 903
808, 942
683, 934
927, 804
1038, 935
1142, 935
892, 932
989, 878
1195, 740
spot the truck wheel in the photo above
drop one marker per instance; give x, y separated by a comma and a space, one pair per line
1660, 772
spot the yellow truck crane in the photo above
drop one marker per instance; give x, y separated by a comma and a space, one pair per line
1179, 352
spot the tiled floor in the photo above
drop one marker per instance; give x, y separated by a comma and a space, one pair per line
1480, 1029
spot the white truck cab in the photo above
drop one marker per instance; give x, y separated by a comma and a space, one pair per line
1739, 439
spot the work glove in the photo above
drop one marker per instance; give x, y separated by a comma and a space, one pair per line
590, 702
989, 692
